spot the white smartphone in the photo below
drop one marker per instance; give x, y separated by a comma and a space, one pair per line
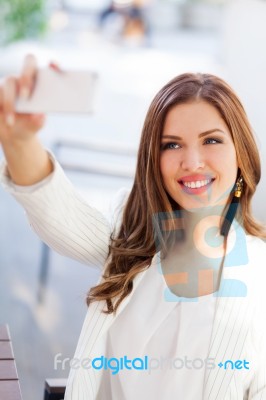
61, 92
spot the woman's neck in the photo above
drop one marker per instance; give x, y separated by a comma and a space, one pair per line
202, 224
199, 253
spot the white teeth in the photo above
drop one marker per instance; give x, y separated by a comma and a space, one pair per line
197, 184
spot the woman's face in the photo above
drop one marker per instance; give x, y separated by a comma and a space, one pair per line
198, 158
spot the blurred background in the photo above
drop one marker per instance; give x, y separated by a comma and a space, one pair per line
135, 47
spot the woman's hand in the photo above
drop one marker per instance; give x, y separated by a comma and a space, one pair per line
14, 126
27, 161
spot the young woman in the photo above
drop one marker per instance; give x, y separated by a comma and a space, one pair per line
179, 311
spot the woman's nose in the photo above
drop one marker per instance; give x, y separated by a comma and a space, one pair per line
192, 160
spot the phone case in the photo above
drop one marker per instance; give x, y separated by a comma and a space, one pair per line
61, 92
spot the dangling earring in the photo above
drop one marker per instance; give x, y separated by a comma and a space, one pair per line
228, 219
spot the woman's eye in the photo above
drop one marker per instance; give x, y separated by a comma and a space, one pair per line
212, 141
170, 146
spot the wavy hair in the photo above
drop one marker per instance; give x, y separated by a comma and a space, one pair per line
131, 250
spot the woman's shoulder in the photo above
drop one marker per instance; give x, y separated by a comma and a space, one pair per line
256, 243
256, 251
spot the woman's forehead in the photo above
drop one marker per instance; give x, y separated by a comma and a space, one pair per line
194, 117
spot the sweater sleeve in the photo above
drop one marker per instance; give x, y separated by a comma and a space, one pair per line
257, 389
62, 218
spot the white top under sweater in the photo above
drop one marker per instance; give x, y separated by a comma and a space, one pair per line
176, 344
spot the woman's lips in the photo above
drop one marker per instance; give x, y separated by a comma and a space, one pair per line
195, 190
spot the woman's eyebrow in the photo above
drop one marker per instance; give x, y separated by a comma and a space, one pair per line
202, 134
211, 131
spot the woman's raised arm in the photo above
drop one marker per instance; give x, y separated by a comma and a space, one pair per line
56, 212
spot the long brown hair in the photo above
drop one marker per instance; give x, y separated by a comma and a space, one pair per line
132, 249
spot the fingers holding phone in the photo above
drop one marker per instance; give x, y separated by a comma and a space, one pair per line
8, 97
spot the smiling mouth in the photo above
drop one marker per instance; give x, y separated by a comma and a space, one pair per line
195, 186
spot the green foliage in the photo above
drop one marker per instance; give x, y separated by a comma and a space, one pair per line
22, 19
